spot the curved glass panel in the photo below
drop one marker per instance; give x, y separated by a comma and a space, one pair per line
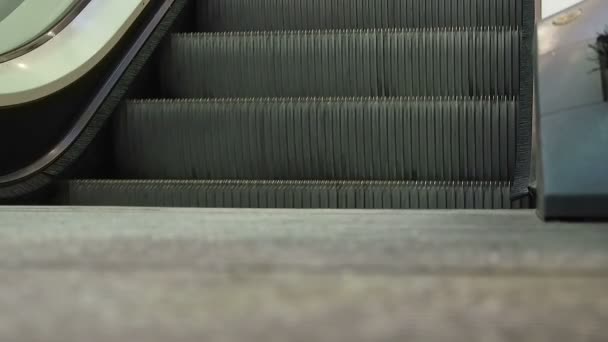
23, 21
8, 6
79, 41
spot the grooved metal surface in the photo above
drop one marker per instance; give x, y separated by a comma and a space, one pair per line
341, 139
290, 194
419, 62
329, 104
262, 15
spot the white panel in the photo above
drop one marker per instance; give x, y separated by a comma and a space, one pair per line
28, 21
70, 54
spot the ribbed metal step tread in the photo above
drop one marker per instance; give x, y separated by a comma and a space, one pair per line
349, 138
294, 194
261, 15
422, 62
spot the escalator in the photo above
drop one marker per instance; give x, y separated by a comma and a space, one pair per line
322, 104
301, 104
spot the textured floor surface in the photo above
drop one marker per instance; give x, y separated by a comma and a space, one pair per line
101, 274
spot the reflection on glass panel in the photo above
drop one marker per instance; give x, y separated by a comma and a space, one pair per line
7, 7
23, 21
573, 58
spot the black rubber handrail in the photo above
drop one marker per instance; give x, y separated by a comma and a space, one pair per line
94, 105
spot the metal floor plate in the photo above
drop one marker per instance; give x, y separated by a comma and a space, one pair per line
108, 274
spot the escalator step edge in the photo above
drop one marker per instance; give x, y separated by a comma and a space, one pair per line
264, 15
419, 62
289, 194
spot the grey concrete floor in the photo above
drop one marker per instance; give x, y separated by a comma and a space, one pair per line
109, 274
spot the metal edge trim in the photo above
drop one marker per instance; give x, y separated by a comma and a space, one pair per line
36, 42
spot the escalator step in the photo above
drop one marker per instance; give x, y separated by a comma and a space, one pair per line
262, 15
350, 138
428, 62
300, 194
